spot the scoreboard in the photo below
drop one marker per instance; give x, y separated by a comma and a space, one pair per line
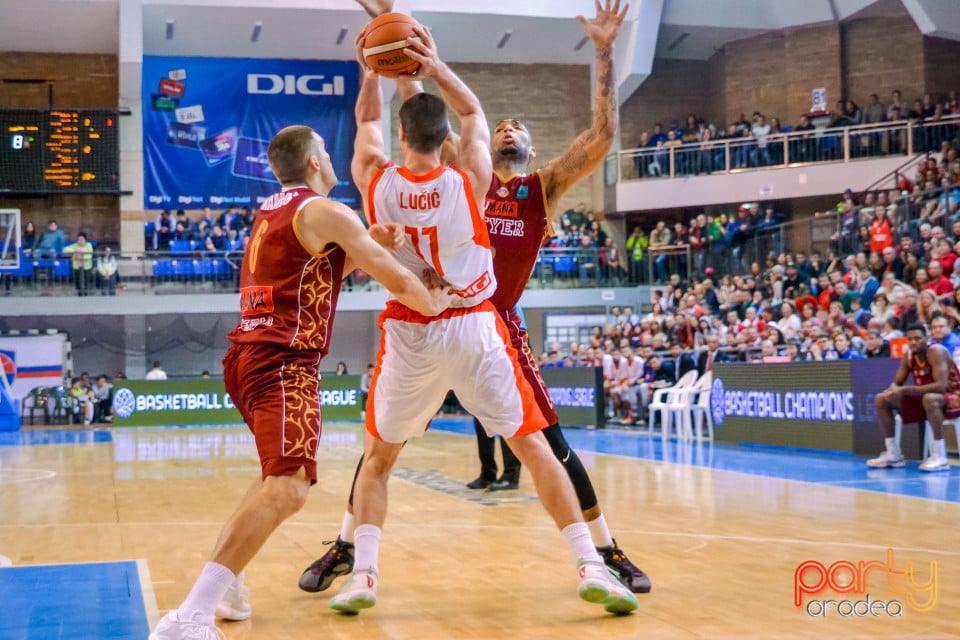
59, 151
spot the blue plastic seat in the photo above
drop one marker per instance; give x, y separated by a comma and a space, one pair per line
180, 248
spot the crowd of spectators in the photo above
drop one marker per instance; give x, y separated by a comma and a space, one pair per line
757, 141
876, 279
214, 231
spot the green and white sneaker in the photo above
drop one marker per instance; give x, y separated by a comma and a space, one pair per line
359, 592
600, 586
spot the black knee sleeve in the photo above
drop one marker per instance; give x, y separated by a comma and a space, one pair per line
586, 496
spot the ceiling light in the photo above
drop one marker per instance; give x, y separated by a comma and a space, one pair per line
255, 36
169, 29
504, 39
342, 35
583, 42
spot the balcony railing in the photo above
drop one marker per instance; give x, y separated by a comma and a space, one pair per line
203, 272
843, 144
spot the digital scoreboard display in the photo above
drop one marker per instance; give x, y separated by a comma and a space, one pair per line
59, 151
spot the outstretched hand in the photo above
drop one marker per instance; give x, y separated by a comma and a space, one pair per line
603, 29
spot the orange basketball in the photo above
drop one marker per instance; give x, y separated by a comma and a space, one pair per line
384, 40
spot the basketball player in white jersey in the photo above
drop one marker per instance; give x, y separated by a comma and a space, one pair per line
467, 349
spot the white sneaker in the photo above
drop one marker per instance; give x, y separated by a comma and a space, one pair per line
886, 460
935, 463
359, 592
599, 585
234, 605
172, 628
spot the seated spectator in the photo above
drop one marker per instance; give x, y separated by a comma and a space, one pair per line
842, 348
942, 333
82, 401
107, 275
28, 241
102, 392
876, 346
51, 242
216, 242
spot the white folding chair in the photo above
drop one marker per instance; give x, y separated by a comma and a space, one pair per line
663, 397
699, 408
928, 431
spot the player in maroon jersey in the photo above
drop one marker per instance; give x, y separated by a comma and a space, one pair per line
521, 208
933, 396
302, 244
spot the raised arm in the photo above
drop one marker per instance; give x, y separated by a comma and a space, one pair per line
368, 148
473, 152
589, 148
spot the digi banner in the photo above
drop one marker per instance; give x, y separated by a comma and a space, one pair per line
138, 403
577, 395
207, 123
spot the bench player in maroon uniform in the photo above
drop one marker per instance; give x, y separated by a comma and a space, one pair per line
933, 397
520, 210
302, 244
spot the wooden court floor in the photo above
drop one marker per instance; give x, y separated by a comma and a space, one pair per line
721, 547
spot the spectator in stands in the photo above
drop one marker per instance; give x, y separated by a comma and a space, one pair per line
660, 239
892, 263
102, 392
610, 267
229, 220
164, 229
760, 129
157, 372
875, 112
51, 242
637, 244
842, 348
942, 333
81, 260
28, 239
107, 275
938, 283
877, 347
789, 323
216, 243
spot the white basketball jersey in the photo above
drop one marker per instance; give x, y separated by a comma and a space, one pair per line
444, 227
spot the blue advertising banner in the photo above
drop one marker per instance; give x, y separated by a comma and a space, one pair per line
207, 123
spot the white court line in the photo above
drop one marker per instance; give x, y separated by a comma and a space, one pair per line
149, 597
12, 476
473, 526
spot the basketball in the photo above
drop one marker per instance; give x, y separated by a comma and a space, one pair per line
384, 40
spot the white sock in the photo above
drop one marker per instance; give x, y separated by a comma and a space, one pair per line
347, 527
206, 594
367, 541
578, 538
238, 580
893, 447
599, 532
939, 449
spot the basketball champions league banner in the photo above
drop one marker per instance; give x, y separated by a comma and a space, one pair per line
207, 123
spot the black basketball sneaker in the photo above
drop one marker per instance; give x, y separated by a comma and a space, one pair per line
630, 575
336, 562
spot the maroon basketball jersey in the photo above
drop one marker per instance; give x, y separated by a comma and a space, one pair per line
287, 294
516, 214
923, 373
